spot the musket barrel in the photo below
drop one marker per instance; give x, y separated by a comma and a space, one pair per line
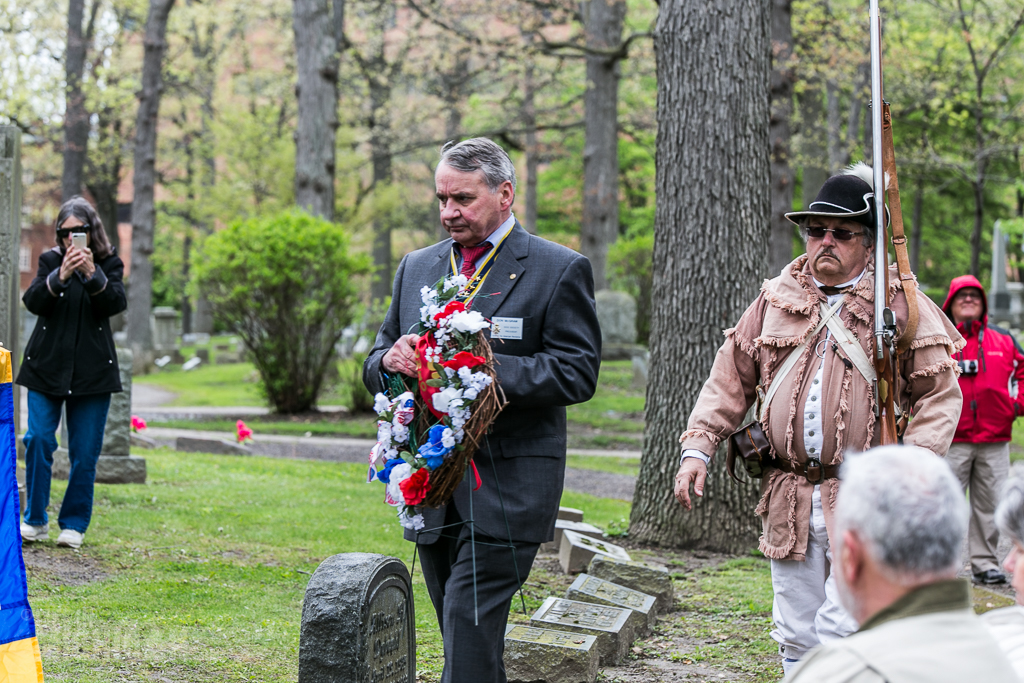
879, 174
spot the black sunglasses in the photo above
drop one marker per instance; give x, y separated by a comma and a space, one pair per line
64, 233
839, 233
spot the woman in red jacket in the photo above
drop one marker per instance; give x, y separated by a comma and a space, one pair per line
991, 366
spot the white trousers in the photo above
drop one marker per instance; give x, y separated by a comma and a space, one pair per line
806, 609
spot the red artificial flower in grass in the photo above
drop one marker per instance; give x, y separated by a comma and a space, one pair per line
452, 307
415, 488
138, 423
243, 432
464, 359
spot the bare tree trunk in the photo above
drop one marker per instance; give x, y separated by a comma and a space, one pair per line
603, 21
711, 232
76, 118
979, 217
916, 227
780, 243
140, 293
837, 157
857, 100
105, 173
532, 150
812, 145
380, 154
316, 50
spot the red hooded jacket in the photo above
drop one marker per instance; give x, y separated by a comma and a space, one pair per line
989, 403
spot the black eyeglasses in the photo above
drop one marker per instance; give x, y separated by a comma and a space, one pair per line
64, 233
839, 233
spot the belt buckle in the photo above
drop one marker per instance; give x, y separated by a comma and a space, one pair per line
814, 463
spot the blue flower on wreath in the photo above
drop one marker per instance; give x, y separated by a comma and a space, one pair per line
434, 450
385, 474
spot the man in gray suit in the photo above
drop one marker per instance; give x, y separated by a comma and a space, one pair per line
547, 350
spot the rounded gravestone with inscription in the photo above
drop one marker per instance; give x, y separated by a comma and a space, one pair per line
358, 622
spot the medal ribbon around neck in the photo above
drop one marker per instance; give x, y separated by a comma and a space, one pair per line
482, 270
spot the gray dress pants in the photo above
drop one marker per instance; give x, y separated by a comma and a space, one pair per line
474, 639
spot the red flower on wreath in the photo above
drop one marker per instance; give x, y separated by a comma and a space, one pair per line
452, 307
464, 359
414, 489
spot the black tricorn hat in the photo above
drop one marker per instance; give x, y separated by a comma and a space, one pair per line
847, 195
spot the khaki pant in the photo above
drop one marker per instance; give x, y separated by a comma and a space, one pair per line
981, 468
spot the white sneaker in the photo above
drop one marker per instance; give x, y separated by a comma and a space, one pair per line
31, 533
69, 538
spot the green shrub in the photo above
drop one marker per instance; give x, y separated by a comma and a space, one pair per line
285, 285
631, 266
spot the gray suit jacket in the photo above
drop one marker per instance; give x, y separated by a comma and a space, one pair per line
555, 364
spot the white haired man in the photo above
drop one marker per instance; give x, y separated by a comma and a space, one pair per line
901, 520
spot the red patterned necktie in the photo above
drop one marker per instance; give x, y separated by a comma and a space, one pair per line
470, 256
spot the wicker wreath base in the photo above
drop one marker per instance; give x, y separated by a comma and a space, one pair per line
446, 478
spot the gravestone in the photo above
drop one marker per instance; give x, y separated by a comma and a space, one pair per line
616, 313
638, 576
10, 241
592, 589
579, 527
613, 627
165, 328
358, 622
539, 654
116, 464
203, 354
577, 550
571, 514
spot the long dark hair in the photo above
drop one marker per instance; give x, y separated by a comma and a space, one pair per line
81, 209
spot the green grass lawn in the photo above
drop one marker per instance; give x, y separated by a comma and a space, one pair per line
206, 567
613, 417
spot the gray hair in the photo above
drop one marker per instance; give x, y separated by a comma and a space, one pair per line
869, 231
908, 508
1010, 512
480, 154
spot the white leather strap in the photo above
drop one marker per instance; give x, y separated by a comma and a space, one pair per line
851, 347
794, 356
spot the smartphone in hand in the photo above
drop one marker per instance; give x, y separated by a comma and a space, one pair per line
78, 239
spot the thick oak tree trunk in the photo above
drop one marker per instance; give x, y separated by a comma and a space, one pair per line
380, 154
316, 51
781, 241
711, 233
600, 226
140, 293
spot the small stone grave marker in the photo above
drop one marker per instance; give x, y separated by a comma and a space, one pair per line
612, 626
539, 654
592, 589
358, 622
571, 514
638, 576
579, 527
577, 550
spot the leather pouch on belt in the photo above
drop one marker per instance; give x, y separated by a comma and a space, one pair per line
750, 445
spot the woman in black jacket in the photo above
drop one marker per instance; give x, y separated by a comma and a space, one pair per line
70, 360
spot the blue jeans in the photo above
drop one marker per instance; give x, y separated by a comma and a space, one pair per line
87, 418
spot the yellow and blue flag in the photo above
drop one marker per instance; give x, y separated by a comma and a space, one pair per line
20, 661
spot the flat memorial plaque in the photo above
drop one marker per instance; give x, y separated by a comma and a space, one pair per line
613, 626
593, 589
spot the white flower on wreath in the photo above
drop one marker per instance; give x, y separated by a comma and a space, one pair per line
448, 438
459, 281
400, 433
381, 403
399, 474
414, 522
444, 398
468, 321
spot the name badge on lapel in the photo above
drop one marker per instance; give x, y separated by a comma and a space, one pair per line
507, 328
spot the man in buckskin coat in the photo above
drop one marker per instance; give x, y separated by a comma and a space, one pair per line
823, 406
